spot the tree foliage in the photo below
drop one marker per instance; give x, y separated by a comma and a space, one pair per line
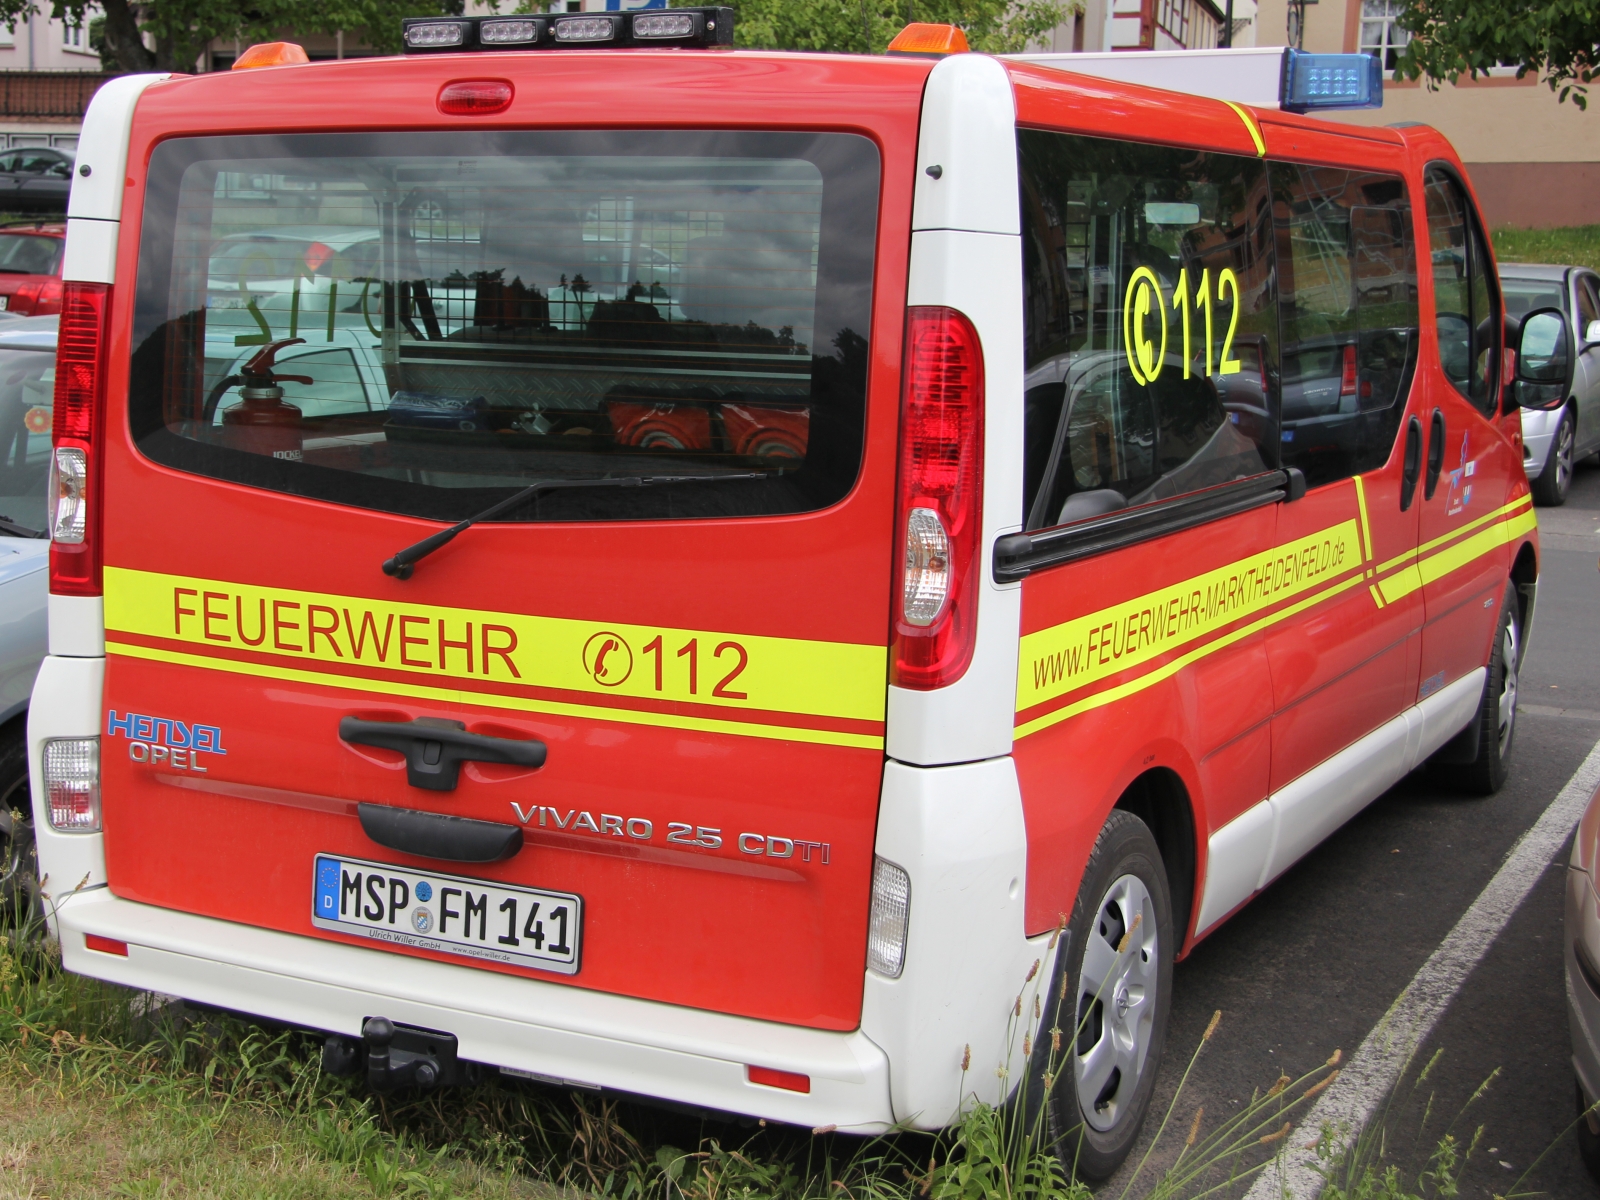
1558, 39
865, 26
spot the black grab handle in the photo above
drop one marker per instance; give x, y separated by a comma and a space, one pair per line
439, 835
436, 748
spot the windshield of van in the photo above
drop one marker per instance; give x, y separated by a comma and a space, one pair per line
426, 323
27, 388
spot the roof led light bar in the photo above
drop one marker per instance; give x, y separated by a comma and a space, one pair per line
1318, 81
692, 27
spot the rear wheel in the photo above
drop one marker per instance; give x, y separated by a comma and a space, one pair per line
1109, 1001
1551, 485
19, 868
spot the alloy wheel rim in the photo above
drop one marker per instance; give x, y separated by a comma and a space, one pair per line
1508, 685
1564, 440
1117, 993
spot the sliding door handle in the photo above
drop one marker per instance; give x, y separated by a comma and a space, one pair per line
1412, 467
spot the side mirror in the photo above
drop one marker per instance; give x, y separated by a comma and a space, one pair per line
1544, 350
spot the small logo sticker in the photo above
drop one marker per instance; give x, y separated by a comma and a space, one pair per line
422, 920
608, 659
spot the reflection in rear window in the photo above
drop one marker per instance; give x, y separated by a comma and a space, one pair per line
467, 314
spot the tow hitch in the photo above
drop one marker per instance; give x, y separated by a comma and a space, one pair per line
399, 1056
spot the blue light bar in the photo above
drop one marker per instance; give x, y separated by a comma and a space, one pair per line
1317, 81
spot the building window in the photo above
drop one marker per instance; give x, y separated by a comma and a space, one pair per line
1381, 34
1183, 25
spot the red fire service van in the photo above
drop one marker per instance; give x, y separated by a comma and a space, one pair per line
590, 554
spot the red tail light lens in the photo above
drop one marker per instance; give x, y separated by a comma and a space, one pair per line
940, 505
79, 411
1347, 380
474, 97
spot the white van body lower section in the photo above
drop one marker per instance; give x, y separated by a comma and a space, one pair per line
65, 704
1262, 843
547, 1029
959, 833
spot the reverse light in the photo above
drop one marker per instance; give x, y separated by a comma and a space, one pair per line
939, 509
474, 97
585, 29
271, 54
789, 1081
74, 463
890, 919
72, 784
921, 37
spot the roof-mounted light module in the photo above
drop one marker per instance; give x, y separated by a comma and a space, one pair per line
690, 27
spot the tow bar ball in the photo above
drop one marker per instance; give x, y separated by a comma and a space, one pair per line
398, 1056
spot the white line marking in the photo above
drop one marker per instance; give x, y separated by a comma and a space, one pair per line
1374, 1069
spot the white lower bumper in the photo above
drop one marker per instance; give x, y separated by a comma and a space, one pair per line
552, 1030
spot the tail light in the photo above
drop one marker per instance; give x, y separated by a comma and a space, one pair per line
72, 784
940, 504
1347, 378
75, 461
890, 919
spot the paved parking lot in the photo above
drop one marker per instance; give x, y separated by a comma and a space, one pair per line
1318, 959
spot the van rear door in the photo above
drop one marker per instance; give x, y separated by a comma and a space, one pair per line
645, 355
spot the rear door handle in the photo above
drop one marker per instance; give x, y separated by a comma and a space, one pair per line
439, 835
435, 748
1413, 463
1435, 454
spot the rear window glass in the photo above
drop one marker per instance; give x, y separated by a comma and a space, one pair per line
30, 254
477, 312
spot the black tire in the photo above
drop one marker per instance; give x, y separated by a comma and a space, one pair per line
19, 865
1588, 1136
1551, 485
1091, 1140
1497, 711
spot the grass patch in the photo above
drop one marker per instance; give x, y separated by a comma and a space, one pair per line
1573, 245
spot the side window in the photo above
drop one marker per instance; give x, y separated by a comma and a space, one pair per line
1588, 306
1149, 322
1466, 296
1348, 304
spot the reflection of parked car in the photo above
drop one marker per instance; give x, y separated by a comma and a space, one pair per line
30, 267
27, 375
1563, 430
35, 178
264, 266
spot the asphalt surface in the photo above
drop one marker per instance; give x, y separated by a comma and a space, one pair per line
1312, 965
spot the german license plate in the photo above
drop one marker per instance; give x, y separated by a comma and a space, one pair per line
526, 927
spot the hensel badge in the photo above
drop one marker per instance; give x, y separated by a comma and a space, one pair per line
162, 741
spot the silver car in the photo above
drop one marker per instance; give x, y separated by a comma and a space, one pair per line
27, 382
1554, 438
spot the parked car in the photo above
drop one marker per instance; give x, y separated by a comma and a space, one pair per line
35, 178
27, 375
1563, 429
31, 254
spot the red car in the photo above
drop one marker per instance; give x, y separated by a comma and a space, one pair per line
30, 267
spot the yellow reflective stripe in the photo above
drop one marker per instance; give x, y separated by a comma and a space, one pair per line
694, 666
1439, 565
1250, 124
1079, 652
626, 716
1366, 529
1401, 583
1167, 670
1525, 502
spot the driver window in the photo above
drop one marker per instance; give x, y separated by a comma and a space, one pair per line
1149, 324
1465, 295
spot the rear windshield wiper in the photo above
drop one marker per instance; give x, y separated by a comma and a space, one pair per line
11, 529
401, 565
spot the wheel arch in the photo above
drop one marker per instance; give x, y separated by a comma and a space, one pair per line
1159, 798
1525, 578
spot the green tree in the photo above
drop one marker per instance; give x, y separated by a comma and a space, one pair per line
865, 26
180, 30
1558, 39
